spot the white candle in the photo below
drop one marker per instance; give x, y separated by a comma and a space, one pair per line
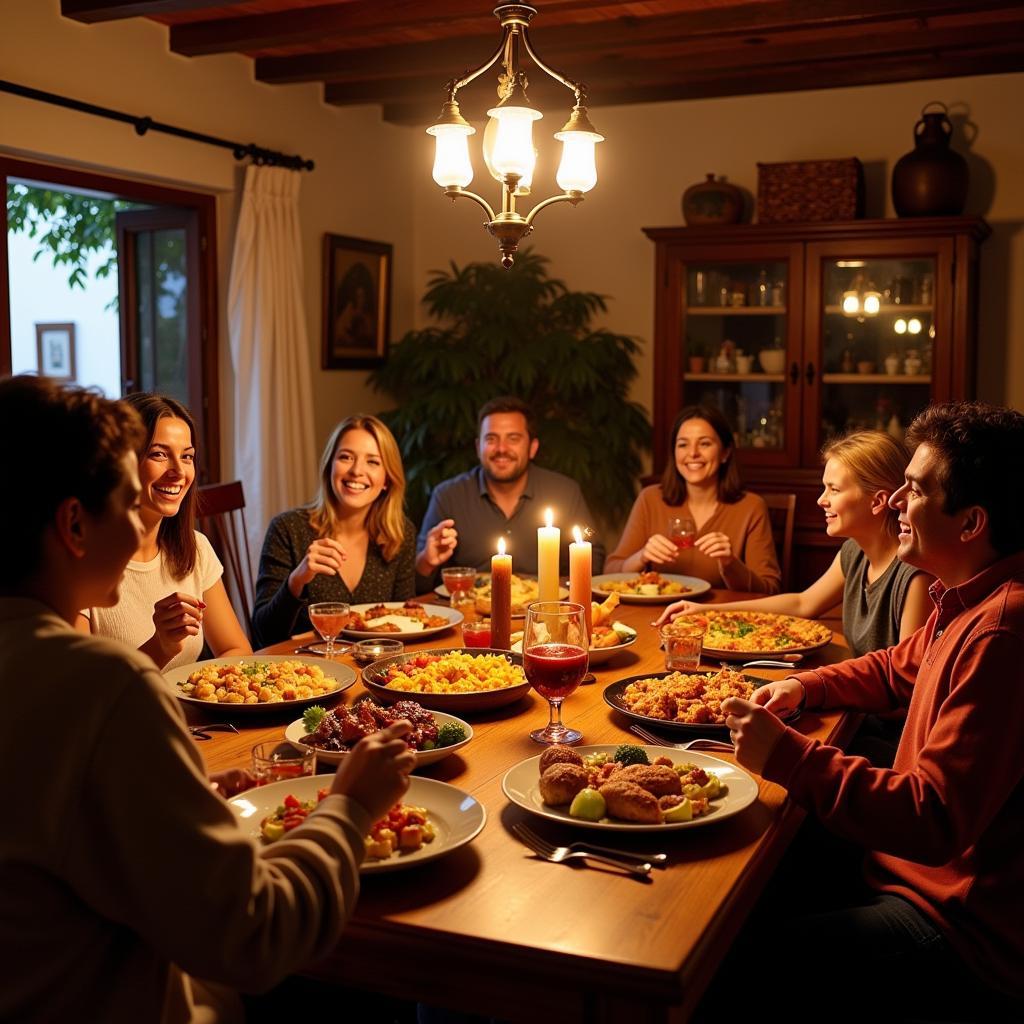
580, 568
548, 540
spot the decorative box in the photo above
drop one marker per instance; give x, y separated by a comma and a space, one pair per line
810, 190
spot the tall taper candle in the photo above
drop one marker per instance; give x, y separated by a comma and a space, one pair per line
548, 540
580, 569
501, 598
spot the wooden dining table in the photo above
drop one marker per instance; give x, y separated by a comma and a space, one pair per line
490, 928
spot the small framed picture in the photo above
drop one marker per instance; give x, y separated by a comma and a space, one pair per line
357, 302
55, 345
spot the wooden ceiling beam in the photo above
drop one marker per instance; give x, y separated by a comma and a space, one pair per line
91, 11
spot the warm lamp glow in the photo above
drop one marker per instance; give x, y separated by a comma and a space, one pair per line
900, 326
851, 303
513, 141
452, 167
872, 303
914, 325
578, 170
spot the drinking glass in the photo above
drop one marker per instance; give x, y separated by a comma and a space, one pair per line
476, 634
459, 581
274, 762
368, 651
555, 661
682, 531
329, 618
683, 640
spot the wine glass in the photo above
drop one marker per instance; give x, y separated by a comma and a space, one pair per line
555, 661
329, 618
682, 531
459, 581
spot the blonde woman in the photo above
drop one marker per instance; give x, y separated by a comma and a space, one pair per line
353, 543
884, 599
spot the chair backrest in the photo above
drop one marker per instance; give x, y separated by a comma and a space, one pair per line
221, 519
782, 511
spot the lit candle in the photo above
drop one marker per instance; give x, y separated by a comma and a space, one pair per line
548, 540
580, 567
501, 598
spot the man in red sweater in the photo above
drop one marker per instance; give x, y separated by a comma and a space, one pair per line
943, 910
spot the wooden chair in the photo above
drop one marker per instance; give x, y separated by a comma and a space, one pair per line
782, 512
221, 518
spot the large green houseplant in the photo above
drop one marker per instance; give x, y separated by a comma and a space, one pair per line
517, 332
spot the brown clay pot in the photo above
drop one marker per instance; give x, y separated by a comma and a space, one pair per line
712, 202
931, 180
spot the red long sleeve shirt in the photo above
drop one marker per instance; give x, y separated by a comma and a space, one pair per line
946, 823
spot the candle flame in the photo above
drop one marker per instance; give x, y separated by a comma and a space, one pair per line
577, 535
548, 517
501, 545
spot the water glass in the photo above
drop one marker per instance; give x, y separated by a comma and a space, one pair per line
683, 641
275, 762
682, 531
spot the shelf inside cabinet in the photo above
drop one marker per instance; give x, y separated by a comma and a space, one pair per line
875, 378
738, 310
772, 378
890, 309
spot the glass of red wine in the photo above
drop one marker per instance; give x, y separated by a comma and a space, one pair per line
682, 531
555, 661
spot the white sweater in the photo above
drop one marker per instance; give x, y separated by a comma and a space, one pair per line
145, 583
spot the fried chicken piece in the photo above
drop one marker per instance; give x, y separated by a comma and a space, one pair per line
628, 801
657, 779
558, 753
561, 782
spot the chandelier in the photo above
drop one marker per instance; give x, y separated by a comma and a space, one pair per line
508, 138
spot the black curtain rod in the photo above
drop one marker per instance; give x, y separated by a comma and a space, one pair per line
145, 124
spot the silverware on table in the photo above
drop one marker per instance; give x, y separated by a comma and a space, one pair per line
557, 854
786, 661
202, 732
700, 743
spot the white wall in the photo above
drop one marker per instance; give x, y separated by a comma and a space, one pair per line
654, 151
360, 186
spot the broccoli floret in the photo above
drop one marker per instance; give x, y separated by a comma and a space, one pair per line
630, 753
449, 734
312, 717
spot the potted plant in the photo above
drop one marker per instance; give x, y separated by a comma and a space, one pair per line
517, 332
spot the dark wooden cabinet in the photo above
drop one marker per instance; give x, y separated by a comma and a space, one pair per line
800, 332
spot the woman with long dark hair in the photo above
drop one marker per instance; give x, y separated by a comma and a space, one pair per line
733, 546
172, 598
352, 543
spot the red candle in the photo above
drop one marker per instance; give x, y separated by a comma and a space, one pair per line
501, 598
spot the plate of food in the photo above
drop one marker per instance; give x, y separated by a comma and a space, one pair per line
735, 635
395, 619
332, 734
456, 680
629, 788
432, 820
259, 682
524, 592
649, 587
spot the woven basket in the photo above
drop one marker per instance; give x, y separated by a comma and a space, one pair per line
810, 190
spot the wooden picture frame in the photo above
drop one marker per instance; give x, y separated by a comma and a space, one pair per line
55, 351
357, 302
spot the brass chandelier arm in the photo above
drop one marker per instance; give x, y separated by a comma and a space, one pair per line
457, 83
567, 197
576, 87
453, 192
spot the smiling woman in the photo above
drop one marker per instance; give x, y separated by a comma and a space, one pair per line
352, 544
172, 599
733, 546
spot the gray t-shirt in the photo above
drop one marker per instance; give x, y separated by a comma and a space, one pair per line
872, 611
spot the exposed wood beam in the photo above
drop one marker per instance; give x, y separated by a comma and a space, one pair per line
111, 10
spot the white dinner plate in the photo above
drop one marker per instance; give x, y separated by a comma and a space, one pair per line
456, 816
694, 587
595, 655
296, 733
521, 785
343, 675
407, 628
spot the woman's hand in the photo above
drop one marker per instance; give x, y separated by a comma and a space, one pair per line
715, 545
659, 549
439, 547
231, 782
675, 609
375, 773
176, 617
323, 558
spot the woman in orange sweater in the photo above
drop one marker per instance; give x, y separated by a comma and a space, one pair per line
733, 546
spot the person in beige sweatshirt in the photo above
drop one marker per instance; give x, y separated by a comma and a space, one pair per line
128, 892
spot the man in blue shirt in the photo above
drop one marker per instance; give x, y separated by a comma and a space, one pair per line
505, 496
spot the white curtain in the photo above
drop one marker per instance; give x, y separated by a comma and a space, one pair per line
275, 454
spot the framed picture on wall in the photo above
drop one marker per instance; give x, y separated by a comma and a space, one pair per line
55, 345
357, 302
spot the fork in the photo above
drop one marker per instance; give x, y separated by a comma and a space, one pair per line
556, 854
700, 743
202, 732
